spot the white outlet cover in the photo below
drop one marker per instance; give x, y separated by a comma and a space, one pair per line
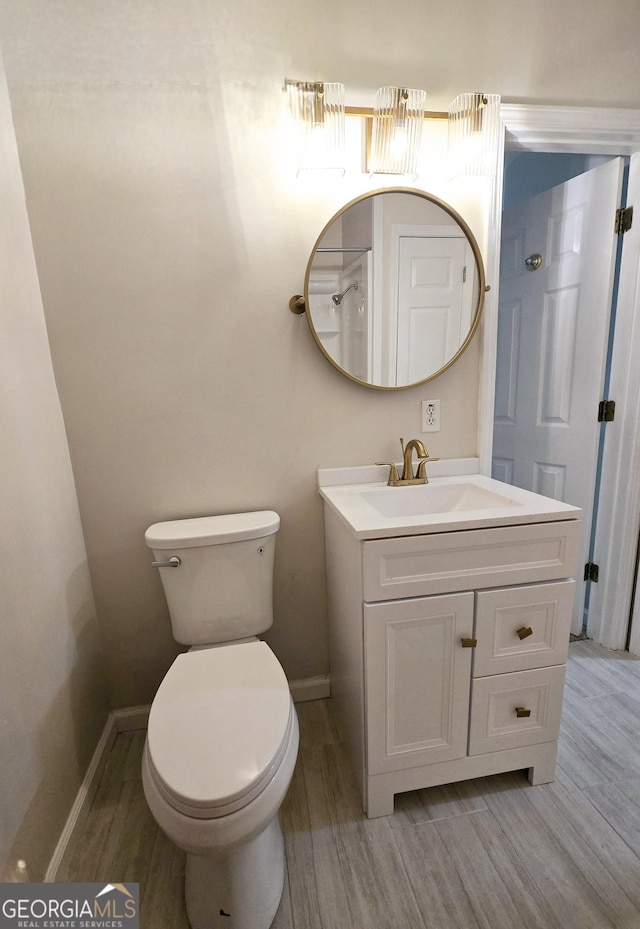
430, 416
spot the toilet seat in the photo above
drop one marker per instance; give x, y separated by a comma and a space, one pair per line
218, 729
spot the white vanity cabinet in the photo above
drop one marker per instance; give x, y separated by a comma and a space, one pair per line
448, 651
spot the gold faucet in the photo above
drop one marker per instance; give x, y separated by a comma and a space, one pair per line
407, 476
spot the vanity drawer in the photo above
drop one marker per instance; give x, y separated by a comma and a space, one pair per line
445, 562
500, 704
520, 628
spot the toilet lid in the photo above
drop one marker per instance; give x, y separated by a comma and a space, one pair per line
218, 726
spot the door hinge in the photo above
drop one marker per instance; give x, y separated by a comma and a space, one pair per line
591, 572
606, 411
624, 220
464, 275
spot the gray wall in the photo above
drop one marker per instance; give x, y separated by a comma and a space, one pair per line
52, 685
529, 173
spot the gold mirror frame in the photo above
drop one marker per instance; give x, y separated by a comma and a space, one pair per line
300, 304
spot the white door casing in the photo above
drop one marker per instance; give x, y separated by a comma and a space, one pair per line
585, 130
618, 522
552, 342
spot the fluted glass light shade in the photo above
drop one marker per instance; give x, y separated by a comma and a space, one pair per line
318, 112
474, 133
398, 117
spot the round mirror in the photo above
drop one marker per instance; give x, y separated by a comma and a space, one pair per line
394, 288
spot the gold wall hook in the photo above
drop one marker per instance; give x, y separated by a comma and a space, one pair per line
298, 304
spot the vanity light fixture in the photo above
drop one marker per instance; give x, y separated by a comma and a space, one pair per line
318, 112
398, 117
474, 131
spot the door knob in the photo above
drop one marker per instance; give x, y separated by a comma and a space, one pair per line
533, 262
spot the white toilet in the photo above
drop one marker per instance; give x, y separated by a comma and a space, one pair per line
222, 740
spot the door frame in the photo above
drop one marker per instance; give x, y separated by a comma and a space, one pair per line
585, 130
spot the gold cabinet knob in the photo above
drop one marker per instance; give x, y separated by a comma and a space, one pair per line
468, 643
521, 712
525, 631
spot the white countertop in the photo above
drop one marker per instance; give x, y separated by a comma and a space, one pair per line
354, 503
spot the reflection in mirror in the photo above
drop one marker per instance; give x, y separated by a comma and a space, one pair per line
394, 288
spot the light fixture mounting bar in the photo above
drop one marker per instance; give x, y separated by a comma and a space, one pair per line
367, 112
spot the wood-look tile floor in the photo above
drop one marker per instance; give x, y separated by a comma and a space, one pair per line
492, 853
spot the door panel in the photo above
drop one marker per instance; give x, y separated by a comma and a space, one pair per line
434, 302
418, 680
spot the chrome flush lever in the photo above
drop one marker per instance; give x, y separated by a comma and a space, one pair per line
173, 562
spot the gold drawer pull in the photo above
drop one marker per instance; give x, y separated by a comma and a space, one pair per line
521, 712
469, 643
525, 631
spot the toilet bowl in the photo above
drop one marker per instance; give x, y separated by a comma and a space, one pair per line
220, 751
222, 738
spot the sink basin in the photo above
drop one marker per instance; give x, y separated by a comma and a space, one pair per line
425, 499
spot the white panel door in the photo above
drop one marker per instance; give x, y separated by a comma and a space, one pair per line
418, 678
552, 342
435, 289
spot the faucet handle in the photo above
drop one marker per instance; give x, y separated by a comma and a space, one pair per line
422, 467
393, 472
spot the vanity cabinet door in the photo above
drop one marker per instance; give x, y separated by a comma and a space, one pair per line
417, 680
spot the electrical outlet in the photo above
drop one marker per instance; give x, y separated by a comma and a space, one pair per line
431, 416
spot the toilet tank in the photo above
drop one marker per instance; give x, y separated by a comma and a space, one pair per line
223, 588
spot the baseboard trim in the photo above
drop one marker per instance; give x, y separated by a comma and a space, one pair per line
133, 717
85, 794
310, 688
137, 717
